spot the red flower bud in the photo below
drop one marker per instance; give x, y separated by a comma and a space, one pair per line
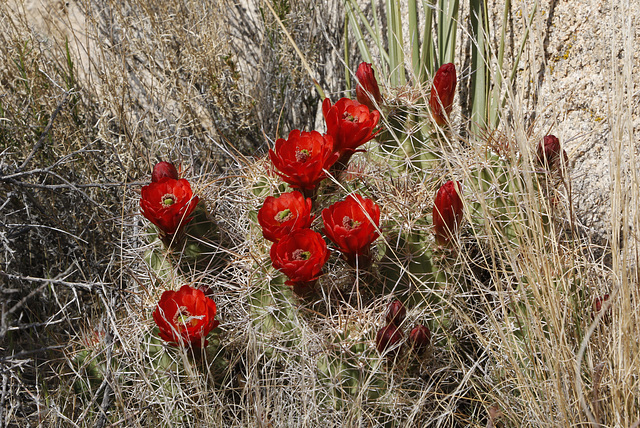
352, 225
442, 93
168, 204
185, 317
396, 313
164, 170
598, 304
350, 124
367, 89
300, 255
388, 338
280, 216
420, 338
447, 212
549, 152
302, 158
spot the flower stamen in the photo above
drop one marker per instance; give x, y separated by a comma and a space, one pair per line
303, 155
284, 215
349, 223
168, 200
349, 117
301, 254
184, 318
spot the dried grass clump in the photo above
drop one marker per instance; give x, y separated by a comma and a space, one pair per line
515, 338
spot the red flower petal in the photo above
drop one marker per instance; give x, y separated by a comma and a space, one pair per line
185, 316
443, 91
300, 255
367, 89
352, 224
169, 217
447, 211
350, 123
284, 214
301, 159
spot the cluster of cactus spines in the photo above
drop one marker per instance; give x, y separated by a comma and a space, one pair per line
185, 317
287, 217
181, 315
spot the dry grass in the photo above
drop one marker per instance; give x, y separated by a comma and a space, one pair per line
82, 121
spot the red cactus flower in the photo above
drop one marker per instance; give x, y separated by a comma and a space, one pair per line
396, 313
168, 204
447, 211
284, 214
351, 124
164, 170
302, 158
420, 338
367, 89
442, 92
300, 255
549, 152
352, 225
185, 317
388, 338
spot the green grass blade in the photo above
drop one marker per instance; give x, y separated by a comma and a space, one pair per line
427, 55
378, 32
494, 114
447, 30
514, 69
347, 70
355, 28
479, 65
414, 43
374, 33
396, 54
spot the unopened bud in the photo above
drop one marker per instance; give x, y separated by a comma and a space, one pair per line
164, 170
420, 338
598, 304
550, 152
367, 89
387, 339
443, 91
447, 211
396, 313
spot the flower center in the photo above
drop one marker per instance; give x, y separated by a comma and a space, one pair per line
349, 223
303, 155
347, 116
183, 318
301, 254
168, 200
283, 216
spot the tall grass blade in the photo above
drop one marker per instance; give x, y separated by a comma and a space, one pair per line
414, 41
479, 65
427, 54
396, 53
447, 29
305, 63
494, 114
355, 28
